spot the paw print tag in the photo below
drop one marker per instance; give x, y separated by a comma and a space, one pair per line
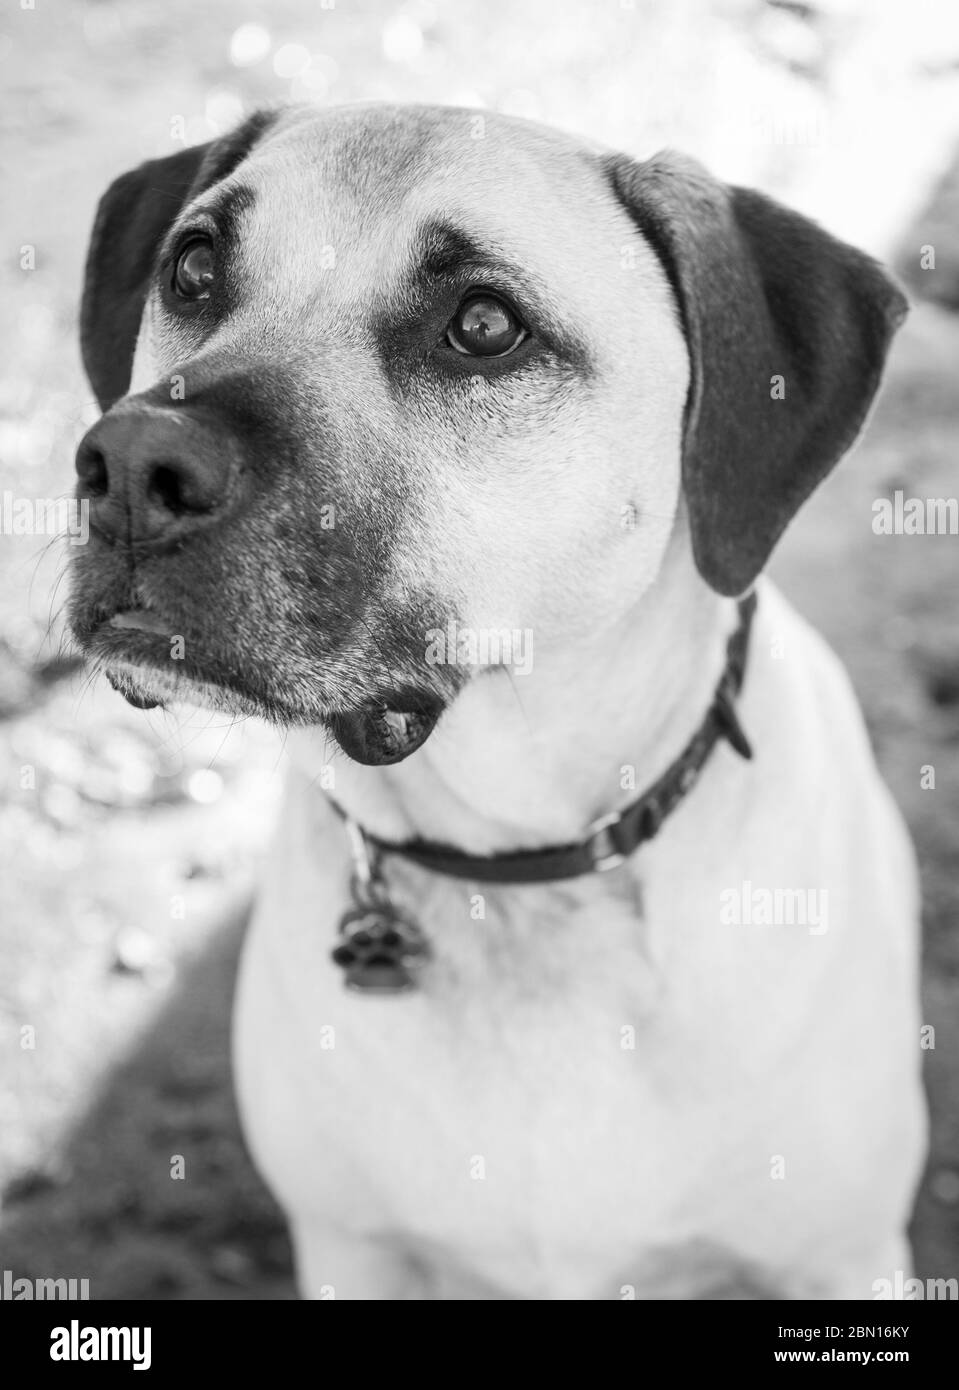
380, 949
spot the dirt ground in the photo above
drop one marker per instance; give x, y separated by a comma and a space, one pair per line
129, 842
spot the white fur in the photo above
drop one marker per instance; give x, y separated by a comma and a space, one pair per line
648, 1169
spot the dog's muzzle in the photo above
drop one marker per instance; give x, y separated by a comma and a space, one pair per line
209, 576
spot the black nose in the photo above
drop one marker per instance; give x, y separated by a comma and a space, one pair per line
154, 474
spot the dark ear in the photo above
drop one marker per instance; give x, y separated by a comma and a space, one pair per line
763, 293
132, 219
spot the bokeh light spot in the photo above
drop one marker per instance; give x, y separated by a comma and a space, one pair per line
291, 60
402, 39
205, 786
223, 109
249, 44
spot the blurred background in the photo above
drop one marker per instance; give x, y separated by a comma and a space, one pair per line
129, 841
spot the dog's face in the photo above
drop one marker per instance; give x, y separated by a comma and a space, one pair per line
401, 368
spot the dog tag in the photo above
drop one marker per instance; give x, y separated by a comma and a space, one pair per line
380, 949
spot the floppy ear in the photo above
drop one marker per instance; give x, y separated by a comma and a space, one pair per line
764, 294
132, 219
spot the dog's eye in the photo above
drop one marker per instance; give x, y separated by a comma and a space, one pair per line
484, 326
193, 272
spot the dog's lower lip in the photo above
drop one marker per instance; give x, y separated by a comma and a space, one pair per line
139, 620
131, 693
378, 734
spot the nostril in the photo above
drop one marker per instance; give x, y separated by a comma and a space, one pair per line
165, 489
178, 487
92, 471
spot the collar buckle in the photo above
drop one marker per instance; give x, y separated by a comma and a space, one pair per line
601, 846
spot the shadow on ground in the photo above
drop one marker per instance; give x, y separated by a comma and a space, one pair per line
107, 1208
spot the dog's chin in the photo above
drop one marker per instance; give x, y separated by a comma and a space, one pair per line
376, 726
125, 684
376, 732
145, 688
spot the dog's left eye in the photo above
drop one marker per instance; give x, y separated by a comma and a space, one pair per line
483, 326
193, 271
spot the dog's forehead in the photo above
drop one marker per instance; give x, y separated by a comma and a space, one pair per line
368, 153
354, 187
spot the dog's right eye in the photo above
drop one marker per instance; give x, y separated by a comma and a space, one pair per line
193, 271
485, 326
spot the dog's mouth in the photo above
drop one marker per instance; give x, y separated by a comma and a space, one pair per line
139, 620
380, 728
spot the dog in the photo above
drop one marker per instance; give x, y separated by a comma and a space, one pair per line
587, 975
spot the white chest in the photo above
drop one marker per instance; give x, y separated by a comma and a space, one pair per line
549, 1108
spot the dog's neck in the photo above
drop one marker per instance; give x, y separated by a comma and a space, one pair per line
525, 761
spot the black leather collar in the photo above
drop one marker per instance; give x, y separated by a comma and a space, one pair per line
611, 840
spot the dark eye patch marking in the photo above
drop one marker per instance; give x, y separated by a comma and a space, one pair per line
446, 264
226, 209
217, 219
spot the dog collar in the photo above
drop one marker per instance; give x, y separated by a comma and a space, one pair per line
381, 948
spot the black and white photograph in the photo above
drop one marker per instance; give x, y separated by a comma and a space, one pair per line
479, 662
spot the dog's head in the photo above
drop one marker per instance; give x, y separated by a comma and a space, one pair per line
372, 375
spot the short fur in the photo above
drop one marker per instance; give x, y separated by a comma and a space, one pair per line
602, 1088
